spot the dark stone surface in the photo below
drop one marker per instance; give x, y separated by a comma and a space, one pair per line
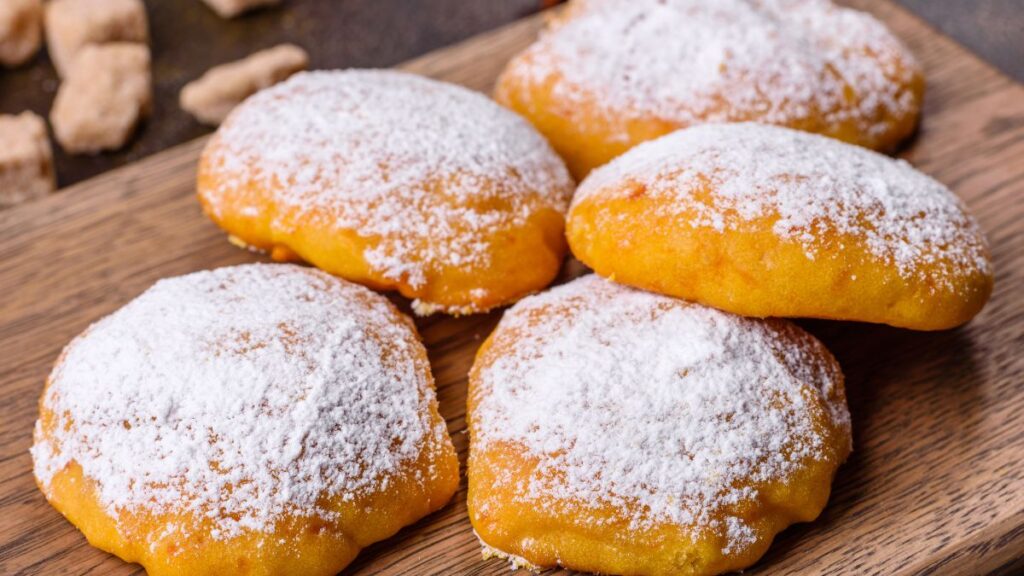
187, 38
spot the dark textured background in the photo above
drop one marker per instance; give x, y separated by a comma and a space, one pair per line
993, 29
187, 38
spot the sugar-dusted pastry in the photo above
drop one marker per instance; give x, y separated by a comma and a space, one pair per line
394, 181
21, 31
767, 221
264, 420
74, 24
26, 159
623, 432
213, 96
105, 96
608, 74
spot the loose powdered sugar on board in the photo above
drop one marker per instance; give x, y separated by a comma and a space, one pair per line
691, 61
668, 411
812, 186
404, 159
241, 394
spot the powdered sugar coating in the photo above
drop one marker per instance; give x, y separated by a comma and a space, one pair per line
691, 61
813, 188
241, 395
668, 411
429, 170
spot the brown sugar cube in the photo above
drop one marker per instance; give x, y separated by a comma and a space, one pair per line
216, 93
26, 160
102, 100
72, 24
21, 26
232, 8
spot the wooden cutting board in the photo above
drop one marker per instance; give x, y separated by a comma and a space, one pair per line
936, 482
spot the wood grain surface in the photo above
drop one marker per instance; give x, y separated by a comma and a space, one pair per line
936, 482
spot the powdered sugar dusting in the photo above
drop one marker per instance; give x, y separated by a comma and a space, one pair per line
815, 187
691, 61
240, 394
429, 170
667, 410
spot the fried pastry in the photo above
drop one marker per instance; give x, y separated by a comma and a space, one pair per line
766, 221
618, 431
394, 181
261, 420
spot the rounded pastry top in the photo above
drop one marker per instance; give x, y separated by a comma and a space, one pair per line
691, 61
239, 395
392, 156
666, 410
811, 189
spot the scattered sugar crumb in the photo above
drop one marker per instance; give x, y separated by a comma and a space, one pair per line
217, 92
21, 26
26, 159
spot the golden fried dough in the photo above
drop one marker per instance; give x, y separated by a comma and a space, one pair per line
393, 181
767, 221
608, 74
256, 420
623, 432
